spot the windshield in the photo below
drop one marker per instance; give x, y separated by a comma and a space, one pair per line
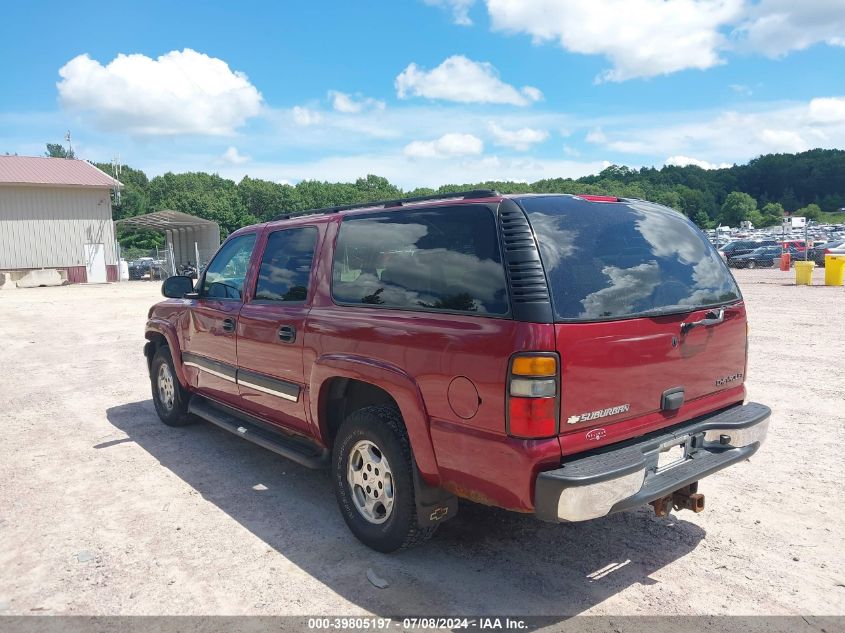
624, 260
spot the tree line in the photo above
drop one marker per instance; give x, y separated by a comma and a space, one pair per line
810, 183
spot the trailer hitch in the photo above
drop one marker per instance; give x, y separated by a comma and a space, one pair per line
686, 498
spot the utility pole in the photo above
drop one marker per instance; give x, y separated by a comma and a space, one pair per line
69, 145
116, 169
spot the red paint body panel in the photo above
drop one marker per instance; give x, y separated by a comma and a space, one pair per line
632, 362
414, 356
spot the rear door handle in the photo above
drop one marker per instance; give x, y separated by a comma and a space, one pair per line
287, 333
228, 325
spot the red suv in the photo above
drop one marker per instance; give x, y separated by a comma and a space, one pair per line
567, 356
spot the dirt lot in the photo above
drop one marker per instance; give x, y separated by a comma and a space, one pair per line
103, 510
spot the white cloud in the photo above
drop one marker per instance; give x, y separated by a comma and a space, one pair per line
462, 80
596, 135
353, 104
776, 27
735, 136
647, 38
641, 38
405, 171
742, 89
181, 92
233, 157
305, 116
459, 9
520, 140
683, 161
447, 146
827, 110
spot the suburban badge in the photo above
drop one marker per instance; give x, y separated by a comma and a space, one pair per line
595, 415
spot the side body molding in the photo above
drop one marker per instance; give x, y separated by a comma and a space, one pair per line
401, 387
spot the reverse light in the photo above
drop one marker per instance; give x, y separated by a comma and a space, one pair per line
533, 395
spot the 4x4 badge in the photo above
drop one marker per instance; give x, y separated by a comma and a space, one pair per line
595, 415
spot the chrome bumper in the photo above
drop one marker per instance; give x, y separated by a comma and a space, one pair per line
626, 475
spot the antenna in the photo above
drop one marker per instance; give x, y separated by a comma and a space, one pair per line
69, 145
116, 169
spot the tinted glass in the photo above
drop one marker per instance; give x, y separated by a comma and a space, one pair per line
431, 259
224, 278
611, 261
286, 265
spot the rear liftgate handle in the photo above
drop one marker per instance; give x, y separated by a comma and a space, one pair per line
714, 317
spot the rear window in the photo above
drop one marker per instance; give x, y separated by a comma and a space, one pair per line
425, 259
615, 261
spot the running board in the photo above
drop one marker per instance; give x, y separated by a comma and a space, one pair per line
299, 450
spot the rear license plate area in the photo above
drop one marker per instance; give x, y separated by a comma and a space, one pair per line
671, 456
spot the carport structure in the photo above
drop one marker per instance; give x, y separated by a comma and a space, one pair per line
189, 239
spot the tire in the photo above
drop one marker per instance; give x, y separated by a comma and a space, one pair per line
171, 403
371, 437
751, 264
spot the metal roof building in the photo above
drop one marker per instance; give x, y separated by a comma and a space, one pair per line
55, 213
189, 238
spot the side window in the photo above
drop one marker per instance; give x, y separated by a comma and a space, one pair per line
224, 278
424, 259
286, 265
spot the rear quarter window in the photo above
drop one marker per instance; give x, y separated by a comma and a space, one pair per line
623, 260
441, 259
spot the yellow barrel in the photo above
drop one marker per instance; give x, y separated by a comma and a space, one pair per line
804, 273
834, 270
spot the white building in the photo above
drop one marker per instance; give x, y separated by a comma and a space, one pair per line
55, 214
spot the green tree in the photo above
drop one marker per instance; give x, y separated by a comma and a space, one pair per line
811, 212
57, 150
702, 220
736, 208
772, 214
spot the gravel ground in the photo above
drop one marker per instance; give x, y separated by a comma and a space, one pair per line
104, 510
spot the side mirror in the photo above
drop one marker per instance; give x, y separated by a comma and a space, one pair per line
177, 287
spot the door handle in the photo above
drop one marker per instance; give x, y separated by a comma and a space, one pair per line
287, 333
228, 325
714, 317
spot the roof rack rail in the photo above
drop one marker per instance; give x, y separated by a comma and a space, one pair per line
398, 202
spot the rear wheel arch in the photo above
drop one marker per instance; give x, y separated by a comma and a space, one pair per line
341, 396
344, 384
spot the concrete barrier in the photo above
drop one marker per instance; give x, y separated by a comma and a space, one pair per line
37, 278
6, 282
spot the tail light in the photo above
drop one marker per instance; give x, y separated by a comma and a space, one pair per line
533, 395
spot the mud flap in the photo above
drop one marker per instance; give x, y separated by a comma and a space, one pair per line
434, 505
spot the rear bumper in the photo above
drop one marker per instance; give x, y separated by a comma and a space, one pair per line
626, 475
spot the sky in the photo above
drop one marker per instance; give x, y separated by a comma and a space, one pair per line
423, 92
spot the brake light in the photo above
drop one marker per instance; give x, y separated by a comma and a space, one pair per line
593, 198
533, 395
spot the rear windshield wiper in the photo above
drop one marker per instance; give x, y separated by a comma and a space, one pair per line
676, 309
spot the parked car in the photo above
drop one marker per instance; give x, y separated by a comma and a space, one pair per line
741, 247
138, 269
817, 253
566, 356
795, 245
763, 257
